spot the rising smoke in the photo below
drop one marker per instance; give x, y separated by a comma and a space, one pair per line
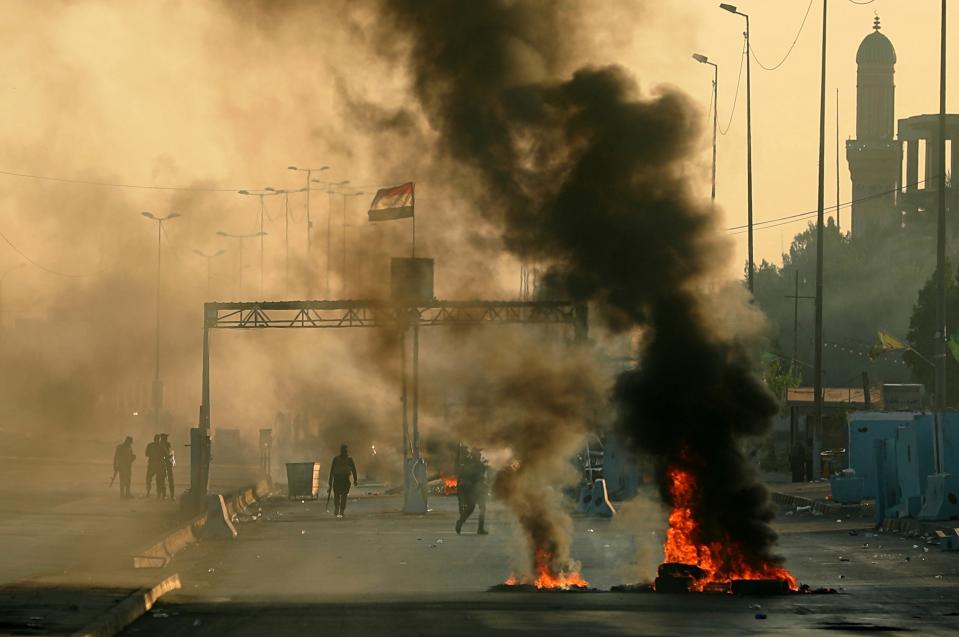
589, 177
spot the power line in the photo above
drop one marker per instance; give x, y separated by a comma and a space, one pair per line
791, 46
742, 58
768, 223
107, 184
40, 266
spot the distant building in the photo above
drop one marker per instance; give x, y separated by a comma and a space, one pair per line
884, 188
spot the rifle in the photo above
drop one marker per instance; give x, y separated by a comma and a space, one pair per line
115, 472
328, 491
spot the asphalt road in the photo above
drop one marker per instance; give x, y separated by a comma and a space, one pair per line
296, 570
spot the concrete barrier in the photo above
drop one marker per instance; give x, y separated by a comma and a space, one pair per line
128, 610
160, 554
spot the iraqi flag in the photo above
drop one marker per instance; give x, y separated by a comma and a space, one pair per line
395, 202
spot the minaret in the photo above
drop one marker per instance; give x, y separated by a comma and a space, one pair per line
874, 157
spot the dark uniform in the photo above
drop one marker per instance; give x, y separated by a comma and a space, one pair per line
341, 468
155, 466
471, 490
123, 459
169, 461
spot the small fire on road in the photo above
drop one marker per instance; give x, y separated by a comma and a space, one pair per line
548, 576
711, 565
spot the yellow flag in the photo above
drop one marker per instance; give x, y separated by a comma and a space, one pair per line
890, 343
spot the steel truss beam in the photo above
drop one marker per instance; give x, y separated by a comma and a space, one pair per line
377, 313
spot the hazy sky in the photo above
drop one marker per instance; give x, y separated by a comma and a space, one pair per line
786, 101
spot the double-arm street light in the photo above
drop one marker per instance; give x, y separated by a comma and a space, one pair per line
240, 239
345, 195
749, 146
702, 59
209, 270
286, 217
309, 223
266, 192
330, 190
157, 386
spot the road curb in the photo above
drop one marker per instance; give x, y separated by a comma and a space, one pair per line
129, 610
160, 554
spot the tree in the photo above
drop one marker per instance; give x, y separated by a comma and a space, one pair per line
921, 336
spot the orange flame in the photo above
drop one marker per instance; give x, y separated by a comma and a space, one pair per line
449, 484
547, 576
722, 561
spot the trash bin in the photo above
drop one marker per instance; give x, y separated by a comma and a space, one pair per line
303, 479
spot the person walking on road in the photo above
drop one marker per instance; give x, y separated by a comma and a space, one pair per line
471, 490
169, 461
155, 468
123, 459
341, 468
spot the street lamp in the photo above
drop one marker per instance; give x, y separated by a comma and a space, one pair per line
266, 192
702, 59
209, 259
157, 386
749, 145
343, 258
330, 190
309, 223
240, 238
286, 216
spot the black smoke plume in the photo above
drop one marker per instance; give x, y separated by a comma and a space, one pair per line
590, 178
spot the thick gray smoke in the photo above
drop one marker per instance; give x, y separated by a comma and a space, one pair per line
588, 176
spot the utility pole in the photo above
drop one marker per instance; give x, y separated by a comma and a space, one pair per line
702, 59
749, 146
345, 195
837, 163
309, 222
157, 385
796, 296
941, 319
820, 222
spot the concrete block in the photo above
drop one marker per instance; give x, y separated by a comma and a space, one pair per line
942, 497
846, 490
218, 524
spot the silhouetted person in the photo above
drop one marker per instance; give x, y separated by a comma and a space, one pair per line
796, 462
155, 467
341, 468
123, 459
169, 461
471, 490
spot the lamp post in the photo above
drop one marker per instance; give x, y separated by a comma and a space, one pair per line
941, 328
702, 59
345, 195
240, 238
266, 192
157, 386
749, 147
330, 190
820, 223
309, 223
286, 233
209, 270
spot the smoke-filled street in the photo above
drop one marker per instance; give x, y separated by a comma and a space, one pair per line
438, 317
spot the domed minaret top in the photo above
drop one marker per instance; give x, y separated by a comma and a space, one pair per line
876, 89
876, 48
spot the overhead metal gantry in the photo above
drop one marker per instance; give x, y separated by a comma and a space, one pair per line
378, 313
383, 314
